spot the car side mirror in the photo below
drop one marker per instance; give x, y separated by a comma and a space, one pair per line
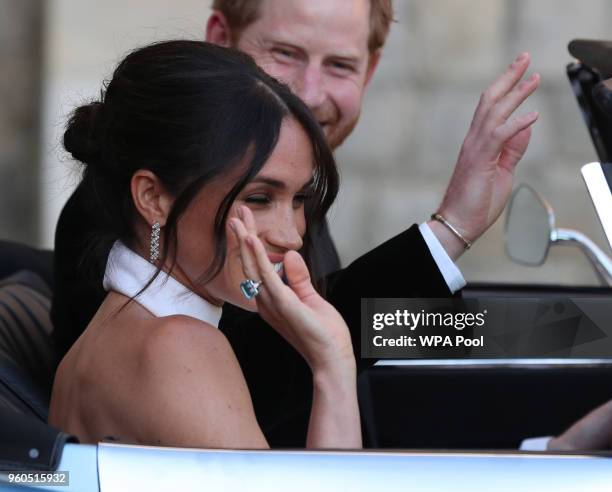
530, 222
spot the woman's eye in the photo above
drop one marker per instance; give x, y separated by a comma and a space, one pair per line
257, 199
299, 200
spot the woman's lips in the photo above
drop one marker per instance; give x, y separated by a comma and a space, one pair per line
276, 258
277, 262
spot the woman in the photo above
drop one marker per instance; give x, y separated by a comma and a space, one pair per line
198, 161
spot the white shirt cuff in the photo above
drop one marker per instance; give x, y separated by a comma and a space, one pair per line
452, 275
535, 444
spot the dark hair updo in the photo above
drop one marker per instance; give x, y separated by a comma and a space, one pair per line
187, 111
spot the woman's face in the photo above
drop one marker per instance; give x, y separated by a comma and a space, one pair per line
275, 196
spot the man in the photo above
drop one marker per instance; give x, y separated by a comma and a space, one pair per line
328, 51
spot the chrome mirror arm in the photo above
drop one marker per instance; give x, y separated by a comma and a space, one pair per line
601, 262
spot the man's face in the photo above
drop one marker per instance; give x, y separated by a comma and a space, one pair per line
320, 49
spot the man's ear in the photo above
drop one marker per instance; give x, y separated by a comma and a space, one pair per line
373, 60
218, 30
150, 197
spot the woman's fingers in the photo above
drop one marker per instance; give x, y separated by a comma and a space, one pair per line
247, 218
271, 280
245, 227
249, 265
298, 275
255, 262
263, 263
257, 265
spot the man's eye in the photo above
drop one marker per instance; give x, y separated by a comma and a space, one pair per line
284, 53
257, 199
342, 67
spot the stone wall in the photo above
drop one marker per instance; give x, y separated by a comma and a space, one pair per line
20, 82
440, 56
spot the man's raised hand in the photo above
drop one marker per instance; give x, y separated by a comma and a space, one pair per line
496, 141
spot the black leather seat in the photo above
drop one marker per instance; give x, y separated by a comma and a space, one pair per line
28, 360
15, 257
27, 354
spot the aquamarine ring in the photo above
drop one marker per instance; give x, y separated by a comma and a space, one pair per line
250, 288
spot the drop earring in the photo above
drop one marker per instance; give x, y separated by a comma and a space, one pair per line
155, 229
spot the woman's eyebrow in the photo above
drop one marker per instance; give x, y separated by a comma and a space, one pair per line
308, 184
275, 183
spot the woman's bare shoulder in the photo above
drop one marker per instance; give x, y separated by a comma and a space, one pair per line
193, 391
183, 333
180, 344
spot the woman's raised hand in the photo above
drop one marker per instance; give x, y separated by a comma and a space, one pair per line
315, 329
308, 322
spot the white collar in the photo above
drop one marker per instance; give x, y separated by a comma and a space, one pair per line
128, 272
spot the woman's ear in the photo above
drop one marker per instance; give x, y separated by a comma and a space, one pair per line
218, 30
150, 197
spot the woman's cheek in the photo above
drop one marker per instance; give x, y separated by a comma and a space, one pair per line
301, 221
265, 219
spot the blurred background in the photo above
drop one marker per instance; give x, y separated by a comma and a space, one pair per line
441, 54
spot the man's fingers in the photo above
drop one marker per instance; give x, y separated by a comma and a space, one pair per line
515, 149
507, 80
500, 87
503, 133
591, 432
516, 97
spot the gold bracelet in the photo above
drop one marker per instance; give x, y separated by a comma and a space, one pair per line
451, 228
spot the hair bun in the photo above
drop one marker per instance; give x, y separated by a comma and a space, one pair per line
81, 137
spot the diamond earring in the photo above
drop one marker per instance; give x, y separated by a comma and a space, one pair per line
155, 229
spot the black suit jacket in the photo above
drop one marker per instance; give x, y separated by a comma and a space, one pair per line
279, 380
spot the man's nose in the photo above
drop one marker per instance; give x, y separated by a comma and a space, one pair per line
309, 86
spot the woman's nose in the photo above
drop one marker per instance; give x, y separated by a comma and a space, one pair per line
286, 235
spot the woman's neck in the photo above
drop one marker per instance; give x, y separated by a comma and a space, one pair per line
131, 275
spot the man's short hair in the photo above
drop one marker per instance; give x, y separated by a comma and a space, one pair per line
241, 13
